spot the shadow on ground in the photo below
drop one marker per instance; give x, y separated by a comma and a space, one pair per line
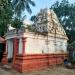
61, 70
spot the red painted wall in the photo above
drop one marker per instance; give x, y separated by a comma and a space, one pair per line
38, 61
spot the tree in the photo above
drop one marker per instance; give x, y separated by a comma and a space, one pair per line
66, 14
71, 49
6, 14
33, 18
10, 13
21, 5
16, 23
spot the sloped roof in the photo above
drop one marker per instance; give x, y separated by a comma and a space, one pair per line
2, 39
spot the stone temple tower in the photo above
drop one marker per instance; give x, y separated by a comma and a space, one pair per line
47, 21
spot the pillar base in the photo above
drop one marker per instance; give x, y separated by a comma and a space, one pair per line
19, 63
4, 60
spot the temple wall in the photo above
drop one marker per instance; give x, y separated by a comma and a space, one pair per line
38, 44
40, 52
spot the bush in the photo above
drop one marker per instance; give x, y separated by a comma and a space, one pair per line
71, 49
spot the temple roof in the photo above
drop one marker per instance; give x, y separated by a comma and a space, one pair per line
46, 21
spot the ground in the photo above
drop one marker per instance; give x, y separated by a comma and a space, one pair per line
51, 71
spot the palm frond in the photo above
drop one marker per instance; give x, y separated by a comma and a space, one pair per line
28, 8
14, 2
31, 2
21, 5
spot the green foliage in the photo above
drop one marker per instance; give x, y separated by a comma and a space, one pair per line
71, 49
71, 46
6, 14
21, 5
31, 28
66, 14
33, 18
17, 23
10, 13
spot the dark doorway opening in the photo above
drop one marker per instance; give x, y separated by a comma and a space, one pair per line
2, 49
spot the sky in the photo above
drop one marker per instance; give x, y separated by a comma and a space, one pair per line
40, 4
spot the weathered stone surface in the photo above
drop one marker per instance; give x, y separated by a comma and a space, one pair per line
47, 21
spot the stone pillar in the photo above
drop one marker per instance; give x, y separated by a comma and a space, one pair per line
22, 42
23, 46
15, 49
20, 64
20, 47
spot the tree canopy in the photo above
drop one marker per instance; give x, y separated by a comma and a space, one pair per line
21, 5
66, 14
5, 15
10, 13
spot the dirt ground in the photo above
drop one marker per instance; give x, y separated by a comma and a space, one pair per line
53, 71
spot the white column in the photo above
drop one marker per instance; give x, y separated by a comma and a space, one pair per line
10, 48
20, 46
6, 46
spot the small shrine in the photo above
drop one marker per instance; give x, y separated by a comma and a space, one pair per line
28, 51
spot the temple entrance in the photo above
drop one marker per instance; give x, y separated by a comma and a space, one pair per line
10, 50
2, 49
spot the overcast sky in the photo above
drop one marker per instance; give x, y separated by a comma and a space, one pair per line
42, 4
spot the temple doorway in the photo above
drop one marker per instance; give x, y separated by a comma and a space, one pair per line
10, 50
2, 47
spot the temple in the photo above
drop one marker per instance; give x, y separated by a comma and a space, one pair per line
47, 46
